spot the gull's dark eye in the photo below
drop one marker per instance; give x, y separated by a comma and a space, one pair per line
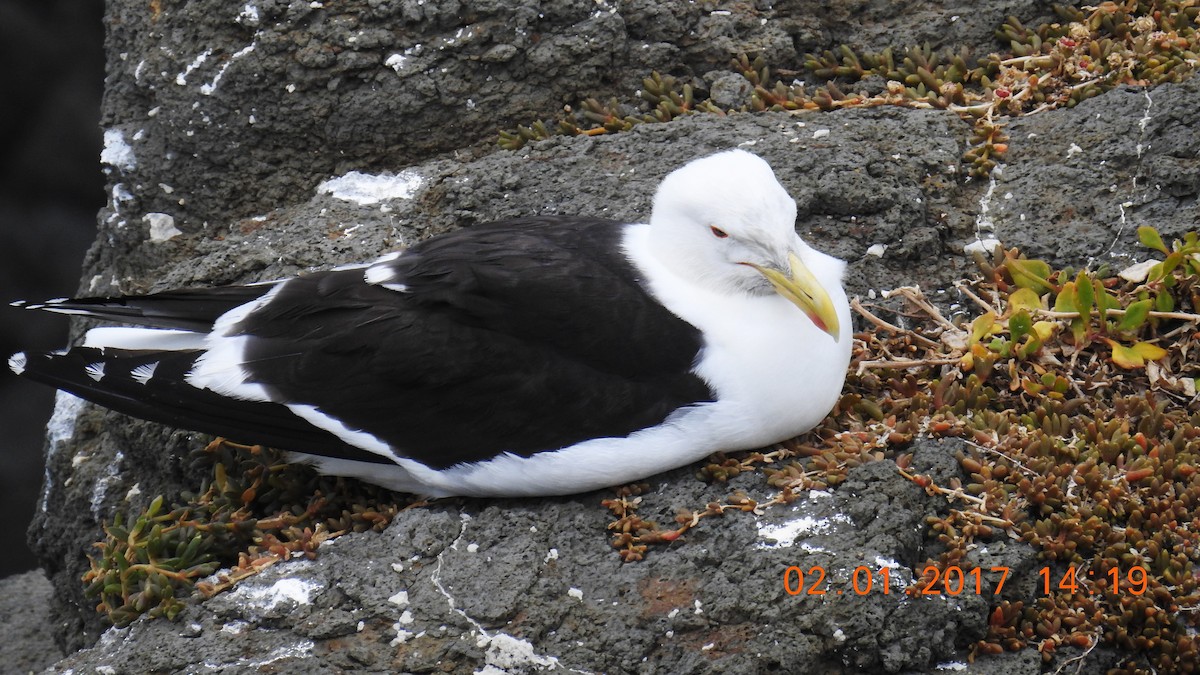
718, 232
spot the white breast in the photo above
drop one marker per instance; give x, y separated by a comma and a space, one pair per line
775, 374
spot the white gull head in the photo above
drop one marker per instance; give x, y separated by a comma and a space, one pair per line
725, 223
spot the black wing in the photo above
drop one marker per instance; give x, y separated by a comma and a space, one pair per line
521, 336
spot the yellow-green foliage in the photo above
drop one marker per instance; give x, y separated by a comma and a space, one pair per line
252, 511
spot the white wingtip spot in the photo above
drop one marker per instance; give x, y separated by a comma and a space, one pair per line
16, 362
378, 275
144, 372
95, 370
18, 303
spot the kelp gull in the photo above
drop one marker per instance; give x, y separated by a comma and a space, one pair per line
535, 356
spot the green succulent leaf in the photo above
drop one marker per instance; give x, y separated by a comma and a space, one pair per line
1024, 299
1150, 238
1149, 351
982, 327
1135, 316
1031, 274
1085, 297
1164, 302
1067, 299
1020, 325
1125, 357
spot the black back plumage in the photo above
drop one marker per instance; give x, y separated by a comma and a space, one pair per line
521, 336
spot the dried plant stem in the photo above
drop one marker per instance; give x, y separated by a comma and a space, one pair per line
900, 365
1182, 316
866, 314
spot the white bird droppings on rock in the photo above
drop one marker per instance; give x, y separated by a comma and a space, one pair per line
507, 652
366, 189
116, 152
402, 635
985, 246
162, 226
784, 535
267, 598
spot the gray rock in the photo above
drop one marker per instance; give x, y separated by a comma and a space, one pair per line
1119, 161
526, 585
730, 91
28, 645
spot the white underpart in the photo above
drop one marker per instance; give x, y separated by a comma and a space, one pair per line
221, 368
759, 358
124, 337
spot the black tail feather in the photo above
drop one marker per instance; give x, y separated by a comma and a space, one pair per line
151, 385
188, 308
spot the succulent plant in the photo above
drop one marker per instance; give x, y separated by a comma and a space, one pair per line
1054, 65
